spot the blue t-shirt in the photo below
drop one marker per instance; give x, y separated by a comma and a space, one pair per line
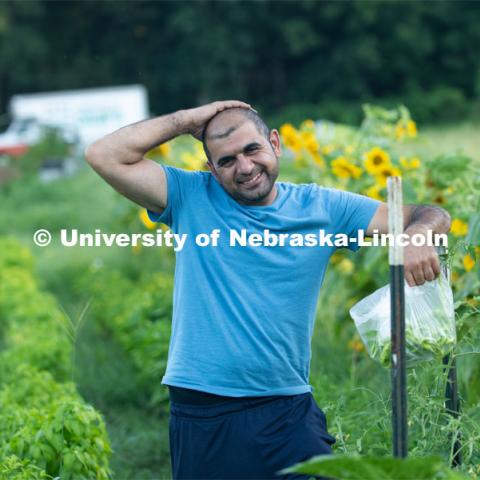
243, 317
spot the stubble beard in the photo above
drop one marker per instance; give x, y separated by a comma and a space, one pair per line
260, 193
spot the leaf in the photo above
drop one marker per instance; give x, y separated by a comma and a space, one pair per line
68, 460
375, 468
473, 230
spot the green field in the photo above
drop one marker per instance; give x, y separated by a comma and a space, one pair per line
111, 350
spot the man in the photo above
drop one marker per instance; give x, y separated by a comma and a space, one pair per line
239, 356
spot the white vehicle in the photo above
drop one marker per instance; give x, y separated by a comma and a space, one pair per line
87, 114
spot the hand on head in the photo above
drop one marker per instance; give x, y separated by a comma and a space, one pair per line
199, 117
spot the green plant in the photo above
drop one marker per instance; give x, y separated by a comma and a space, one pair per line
345, 467
47, 425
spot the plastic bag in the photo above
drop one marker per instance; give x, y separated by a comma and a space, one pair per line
429, 322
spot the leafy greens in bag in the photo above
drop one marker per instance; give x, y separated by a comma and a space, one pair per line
429, 322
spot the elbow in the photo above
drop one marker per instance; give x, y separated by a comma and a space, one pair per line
447, 220
91, 154
96, 156
444, 219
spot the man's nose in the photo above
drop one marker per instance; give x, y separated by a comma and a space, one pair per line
244, 164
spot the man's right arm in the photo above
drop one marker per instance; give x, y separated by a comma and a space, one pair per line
119, 158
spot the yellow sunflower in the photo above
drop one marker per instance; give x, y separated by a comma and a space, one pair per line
193, 161
342, 168
310, 142
318, 159
307, 124
328, 149
346, 266
400, 131
143, 215
468, 262
411, 128
162, 150
374, 192
375, 160
291, 137
410, 164
459, 228
385, 172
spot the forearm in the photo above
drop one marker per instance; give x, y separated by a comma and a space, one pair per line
129, 144
428, 217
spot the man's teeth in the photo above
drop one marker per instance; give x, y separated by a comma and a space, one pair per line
252, 179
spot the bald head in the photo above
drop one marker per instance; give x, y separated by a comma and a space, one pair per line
224, 123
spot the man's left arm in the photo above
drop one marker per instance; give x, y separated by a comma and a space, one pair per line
420, 263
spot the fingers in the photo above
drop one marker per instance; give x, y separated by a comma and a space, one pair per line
421, 265
223, 105
415, 277
419, 273
428, 274
418, 277
410, 279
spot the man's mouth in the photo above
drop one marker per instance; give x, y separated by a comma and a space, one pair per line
252, 181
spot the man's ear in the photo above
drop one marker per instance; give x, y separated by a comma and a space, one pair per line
275, 142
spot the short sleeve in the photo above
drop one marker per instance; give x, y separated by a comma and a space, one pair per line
179, 182
350, 212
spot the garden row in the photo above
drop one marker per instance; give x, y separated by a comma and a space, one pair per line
46, 429
137, 315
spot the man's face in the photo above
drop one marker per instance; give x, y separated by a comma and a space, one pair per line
244, 162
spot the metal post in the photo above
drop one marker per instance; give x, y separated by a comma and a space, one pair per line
397, 299
452, 402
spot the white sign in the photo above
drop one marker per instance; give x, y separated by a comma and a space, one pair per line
93, 112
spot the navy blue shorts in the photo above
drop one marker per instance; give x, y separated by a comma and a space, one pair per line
246, 439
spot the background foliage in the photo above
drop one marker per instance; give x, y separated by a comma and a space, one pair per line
328, 57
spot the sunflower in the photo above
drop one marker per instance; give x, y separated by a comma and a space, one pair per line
328, 149
143, 215
193, 161
468, 262
410, 164
291, 137
459, 228
307, 124
374, 192
375, 160
411, 128
400, 131
163, 150
346, 266
385, 172
318, 159
310, 142
342, 168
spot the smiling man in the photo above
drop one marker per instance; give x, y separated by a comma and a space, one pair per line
247, 171
239, 355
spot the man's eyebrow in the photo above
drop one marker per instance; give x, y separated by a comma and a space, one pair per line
232, 157
251, 145
224, 159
